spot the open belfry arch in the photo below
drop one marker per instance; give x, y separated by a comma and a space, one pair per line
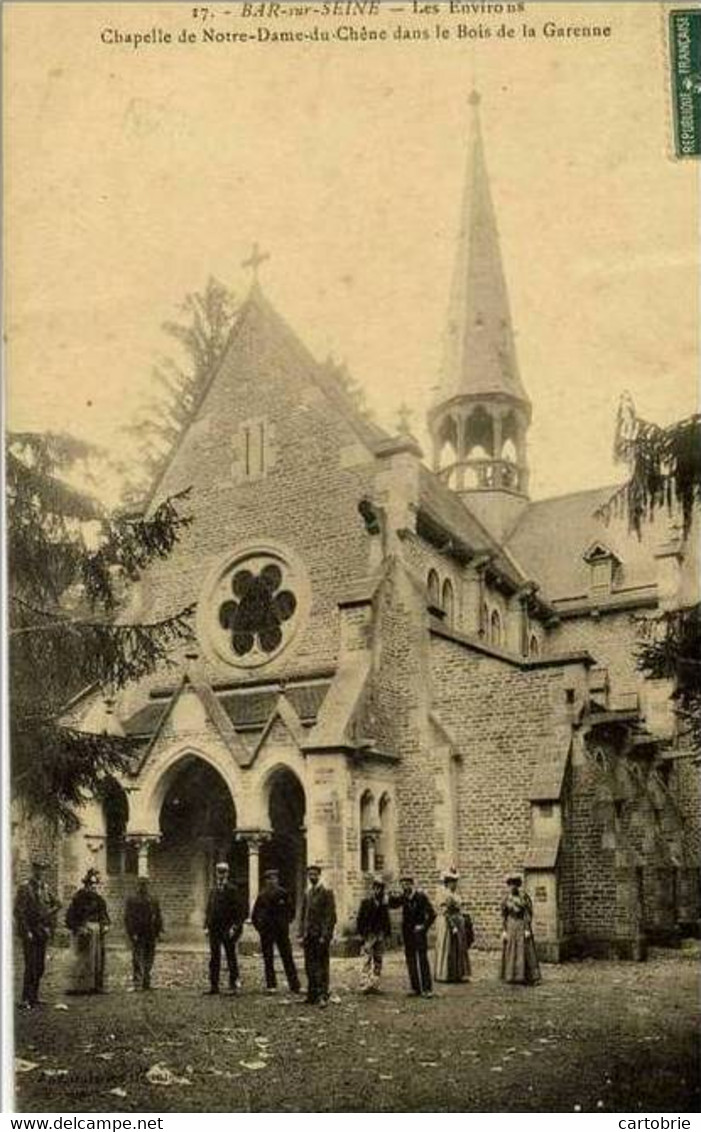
398, 667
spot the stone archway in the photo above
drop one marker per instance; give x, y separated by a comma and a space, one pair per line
286, 848
197, 823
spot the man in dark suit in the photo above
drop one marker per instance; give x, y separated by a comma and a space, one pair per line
417, 916
35, 915
224, 919
318, 922
272, 915
144, 925
374, 929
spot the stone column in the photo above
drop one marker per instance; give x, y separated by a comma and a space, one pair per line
254, 838
142, 842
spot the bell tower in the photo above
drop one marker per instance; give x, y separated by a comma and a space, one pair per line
479, 419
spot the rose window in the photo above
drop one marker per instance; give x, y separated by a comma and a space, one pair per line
253, 603
256, 615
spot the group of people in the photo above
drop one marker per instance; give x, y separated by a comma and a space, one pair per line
88, 921
454, 935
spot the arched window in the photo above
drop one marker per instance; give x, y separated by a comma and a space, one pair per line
479, 435
508, 452
384, 853
533, 646
434, 589
368, 832
448, 602
484, 621
448, 443
495, 627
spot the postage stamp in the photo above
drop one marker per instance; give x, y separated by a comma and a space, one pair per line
685, 46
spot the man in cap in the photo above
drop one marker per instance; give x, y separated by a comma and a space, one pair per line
318, 922
374, 929
35, 916
417, 916
144, 925
272, 915
224, 919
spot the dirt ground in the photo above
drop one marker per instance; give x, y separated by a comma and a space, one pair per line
595, 1036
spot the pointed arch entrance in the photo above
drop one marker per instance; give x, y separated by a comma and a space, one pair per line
286, 849
197, 821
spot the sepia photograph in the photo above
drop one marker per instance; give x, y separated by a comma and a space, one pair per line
352, 475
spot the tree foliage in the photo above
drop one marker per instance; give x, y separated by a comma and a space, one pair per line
670, 649
664, 468
69, 563
202, 332
341, 379
664, 475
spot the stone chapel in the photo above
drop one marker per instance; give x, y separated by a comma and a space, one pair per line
399, 666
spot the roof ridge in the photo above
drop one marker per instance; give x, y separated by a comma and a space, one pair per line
369, 432
243, 310
492, 543
572, 494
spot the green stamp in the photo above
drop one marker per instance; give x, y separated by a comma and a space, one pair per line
685, 45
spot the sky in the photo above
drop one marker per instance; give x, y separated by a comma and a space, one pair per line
131, 176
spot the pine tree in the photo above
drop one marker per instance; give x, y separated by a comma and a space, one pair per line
664, 466
202, 334
69, 562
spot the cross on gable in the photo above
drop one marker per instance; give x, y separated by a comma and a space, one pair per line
254, 261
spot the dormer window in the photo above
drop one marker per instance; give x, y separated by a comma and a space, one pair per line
603, 565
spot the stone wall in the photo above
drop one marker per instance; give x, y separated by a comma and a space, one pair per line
307, 501
502, 719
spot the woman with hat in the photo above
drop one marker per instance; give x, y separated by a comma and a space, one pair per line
519, 961
88, 921
454, 934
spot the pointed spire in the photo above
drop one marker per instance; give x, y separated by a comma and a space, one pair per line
479, 357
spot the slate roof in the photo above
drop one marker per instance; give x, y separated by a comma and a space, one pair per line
479, 356
443, 505
548, 776
249, 709
253, 709
552, 535
257, 317
146, 720
542, 854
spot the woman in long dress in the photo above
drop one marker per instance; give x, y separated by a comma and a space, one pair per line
454, 934
519, 961
88, 921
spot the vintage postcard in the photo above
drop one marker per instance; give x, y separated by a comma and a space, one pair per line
352, 470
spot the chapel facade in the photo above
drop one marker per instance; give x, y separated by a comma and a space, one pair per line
399, 666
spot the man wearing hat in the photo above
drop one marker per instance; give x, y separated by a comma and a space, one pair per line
374, 929
318, 922
144, 925
224, 919
35, 916
417, 916
273, 913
